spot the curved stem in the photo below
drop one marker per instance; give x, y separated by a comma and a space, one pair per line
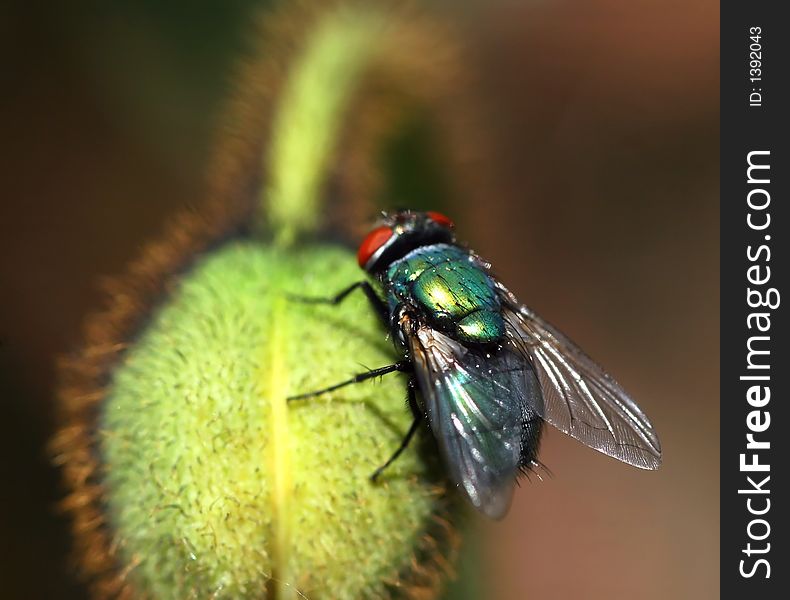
311, 110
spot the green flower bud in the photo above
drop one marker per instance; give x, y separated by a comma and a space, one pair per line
219, 487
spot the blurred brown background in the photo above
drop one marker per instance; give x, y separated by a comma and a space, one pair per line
608, 114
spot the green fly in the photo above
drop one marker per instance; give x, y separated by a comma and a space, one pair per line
489, 371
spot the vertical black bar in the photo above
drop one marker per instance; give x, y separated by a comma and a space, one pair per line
755, 56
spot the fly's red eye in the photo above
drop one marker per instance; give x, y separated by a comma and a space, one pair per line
374, 240
441, 219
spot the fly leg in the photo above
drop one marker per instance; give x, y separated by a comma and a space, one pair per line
375, 301
401, 366
412, 399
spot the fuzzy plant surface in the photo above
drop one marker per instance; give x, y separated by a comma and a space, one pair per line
198, 478
217, 486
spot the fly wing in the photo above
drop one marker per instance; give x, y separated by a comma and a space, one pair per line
579, 397
476, 403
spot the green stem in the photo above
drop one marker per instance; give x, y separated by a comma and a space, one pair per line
308, 119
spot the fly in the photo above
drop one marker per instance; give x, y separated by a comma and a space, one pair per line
489, 371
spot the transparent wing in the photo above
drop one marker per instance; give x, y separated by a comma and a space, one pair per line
579, 397
476, 403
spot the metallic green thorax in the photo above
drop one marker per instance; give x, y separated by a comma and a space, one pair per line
456, 295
